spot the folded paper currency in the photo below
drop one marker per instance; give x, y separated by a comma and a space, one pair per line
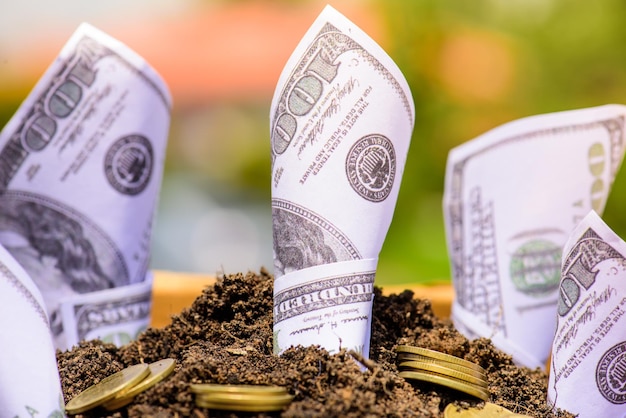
29, 379
80, 171
588, 364
511, 198
341, 121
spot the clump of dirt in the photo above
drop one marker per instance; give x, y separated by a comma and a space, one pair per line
226, 337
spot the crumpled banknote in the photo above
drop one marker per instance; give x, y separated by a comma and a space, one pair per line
588, 363
511, 198
81, 163
341, 122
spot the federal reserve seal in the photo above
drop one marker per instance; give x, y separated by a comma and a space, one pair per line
128, 164
371, 167
611, 374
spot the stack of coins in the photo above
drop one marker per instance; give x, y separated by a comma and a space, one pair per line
244, 398
416, 363
119, 389
490, 410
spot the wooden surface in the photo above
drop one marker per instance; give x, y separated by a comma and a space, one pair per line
172, 292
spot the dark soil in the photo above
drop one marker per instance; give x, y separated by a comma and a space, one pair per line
226, 337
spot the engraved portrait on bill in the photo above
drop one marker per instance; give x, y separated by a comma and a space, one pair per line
304, 239
62, 250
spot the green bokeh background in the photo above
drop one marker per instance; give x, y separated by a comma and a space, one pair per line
471, 66
529, 57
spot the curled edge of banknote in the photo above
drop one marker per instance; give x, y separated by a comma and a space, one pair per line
29, 377
587, 364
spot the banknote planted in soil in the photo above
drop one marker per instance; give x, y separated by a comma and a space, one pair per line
225, 337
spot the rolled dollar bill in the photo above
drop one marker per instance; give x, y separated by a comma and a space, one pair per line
588, 364
341, 121
81, 164
511, 198
29, 379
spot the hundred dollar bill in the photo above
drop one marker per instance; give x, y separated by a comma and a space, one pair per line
114, 315
29, 378
80, 171
588, 365
511, 198
341, 121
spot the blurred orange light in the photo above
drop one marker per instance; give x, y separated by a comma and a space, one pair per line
477, 66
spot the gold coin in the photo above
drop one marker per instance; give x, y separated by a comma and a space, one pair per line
239, 407
116, 403
443, 370
243, 402
474, 371
107, 388
490, 410
245, 398
252, 389
159, 370
438, 355
450, 382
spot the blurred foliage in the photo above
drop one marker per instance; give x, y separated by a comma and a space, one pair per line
225, 144
471, 66
475, 65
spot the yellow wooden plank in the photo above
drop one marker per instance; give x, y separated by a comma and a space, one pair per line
172, 292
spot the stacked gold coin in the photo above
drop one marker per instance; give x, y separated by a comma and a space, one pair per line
416, 363
490, 410
119, 389
244, 398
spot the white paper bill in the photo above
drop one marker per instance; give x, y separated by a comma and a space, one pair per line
80, 172
29, 379
341, 122
511, 198
588, 366
114, 315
